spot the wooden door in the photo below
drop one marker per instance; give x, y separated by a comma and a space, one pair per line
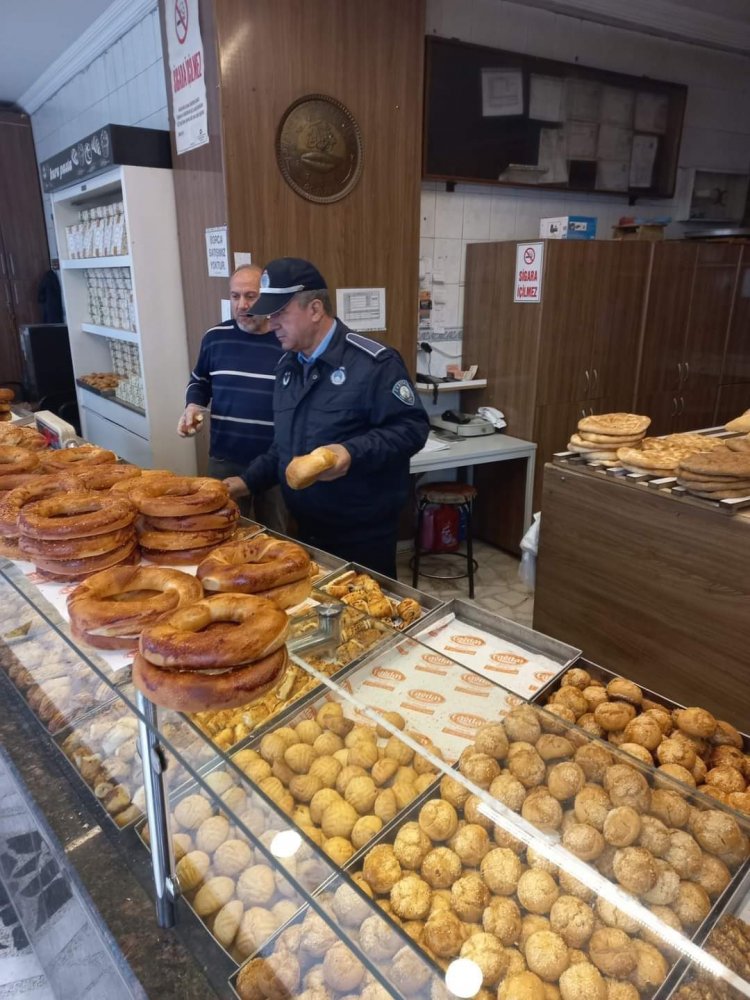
737, 357
663, 408
621, 286
21, 213
697, 406
10, 348
714, 284
666, 321
732, 400
569, 294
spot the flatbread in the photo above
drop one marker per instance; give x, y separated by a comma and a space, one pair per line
622, 424
699, 477
587, 447
739, 444
703, 487
689, 442
659, 473
721, 461
616, 440
592, 456
724, 495
741, 423
647, 461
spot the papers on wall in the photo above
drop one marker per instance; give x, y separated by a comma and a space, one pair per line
185, 52
583, 100
502, 92
615, 143
581, 140
552, 156
361, 308
617, 106
612, 175
547, 98
651, 112
642, 160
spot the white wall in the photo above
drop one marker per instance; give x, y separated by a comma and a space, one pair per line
716, 134
122, 86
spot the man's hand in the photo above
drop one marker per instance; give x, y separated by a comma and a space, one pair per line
343, 461
192, 420
237, 487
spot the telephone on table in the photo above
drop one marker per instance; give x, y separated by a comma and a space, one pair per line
486, 421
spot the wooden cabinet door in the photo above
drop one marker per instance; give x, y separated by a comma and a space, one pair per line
621, 283
697, 406
569, 293
737, 357
663, 408
21, 212
10, 348
714, 284
667, 315
732, 401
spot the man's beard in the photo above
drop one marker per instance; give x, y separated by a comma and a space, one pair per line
251, 324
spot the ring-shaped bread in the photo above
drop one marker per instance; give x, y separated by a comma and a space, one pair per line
14, 480
22, 437
174, 496
80, 569
184, 640
9, 548
101, 477
125, 487
75, 548
14, 460
289, 595
186, 691
254, 564
226, 517
176, 557
179, 540
67, 458
75, 515
13, 502
117, 604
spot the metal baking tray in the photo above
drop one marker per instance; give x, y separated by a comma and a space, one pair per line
469, 613
391, 588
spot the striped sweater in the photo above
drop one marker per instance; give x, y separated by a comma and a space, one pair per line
235, 374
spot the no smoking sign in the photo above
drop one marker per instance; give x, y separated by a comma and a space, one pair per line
528, 276
529, 256
181, 20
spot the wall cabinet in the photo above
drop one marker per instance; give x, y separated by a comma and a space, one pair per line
24, 256
120, 270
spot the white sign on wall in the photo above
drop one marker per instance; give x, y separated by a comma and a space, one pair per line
217, 252
528, 275
187, 81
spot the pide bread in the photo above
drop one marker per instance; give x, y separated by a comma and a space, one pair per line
741, 444
741, 423
722, 461
623, 424
304, 470
615, 440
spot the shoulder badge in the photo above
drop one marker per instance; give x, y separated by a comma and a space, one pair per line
287, 378
371, 347
402, 390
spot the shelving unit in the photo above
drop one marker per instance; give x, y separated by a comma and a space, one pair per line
140, 427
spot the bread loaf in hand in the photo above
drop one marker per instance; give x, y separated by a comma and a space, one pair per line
304, 470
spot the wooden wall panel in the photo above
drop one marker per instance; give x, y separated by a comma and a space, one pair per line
369, 56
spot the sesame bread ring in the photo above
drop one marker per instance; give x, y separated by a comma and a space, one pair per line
126, 487
183, 640
180, 540
186, 691
119, 603
91, 564
101, 477
14, 501
12, 482
177, 557
74, 548
10, 550
254, 564
290, 594
85, 454
75, 515
174, 496
225, 517
66, 574
14, 460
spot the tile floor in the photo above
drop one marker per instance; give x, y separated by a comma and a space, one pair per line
496, 584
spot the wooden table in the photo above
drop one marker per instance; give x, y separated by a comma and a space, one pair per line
651, 587
513, 508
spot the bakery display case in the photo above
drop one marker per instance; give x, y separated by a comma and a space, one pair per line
408, 826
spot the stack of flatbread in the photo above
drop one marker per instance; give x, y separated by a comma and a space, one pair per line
599, 437
741, 423
722, 474
661, 456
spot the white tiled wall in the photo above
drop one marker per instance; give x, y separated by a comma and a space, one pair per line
122, 86
716, 134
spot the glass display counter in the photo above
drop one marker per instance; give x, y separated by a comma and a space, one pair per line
407, 826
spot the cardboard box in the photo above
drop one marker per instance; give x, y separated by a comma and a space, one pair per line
568, 227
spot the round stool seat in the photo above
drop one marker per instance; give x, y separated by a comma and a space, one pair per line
446, 493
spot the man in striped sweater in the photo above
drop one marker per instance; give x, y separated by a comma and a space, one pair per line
235, 374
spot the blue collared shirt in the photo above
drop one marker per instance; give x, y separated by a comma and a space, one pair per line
309, 359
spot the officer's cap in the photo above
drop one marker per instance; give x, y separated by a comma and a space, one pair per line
281, 281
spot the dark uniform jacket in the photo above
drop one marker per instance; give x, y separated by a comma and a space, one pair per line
358, 394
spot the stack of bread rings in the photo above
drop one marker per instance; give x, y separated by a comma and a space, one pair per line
6, 397
110, 609
268, 567
183, 518
69, 536
221, 652
22, 437
13, 502
76, 459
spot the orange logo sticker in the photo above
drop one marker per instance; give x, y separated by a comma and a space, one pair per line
467, 720
542, 675
476, 680
388, 674
467, 640
436, 658
512, 700
426, 697
508, 659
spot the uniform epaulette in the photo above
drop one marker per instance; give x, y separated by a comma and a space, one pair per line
371, 347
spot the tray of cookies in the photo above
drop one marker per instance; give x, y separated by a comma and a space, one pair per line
690, 744
390, 601
517, 657
340, 947
551, 856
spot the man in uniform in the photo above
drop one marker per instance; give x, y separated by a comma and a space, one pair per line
235, 374
338, 389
